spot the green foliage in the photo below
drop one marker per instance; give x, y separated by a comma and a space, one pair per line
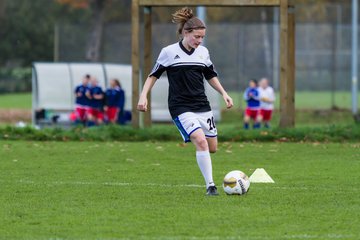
27, 27
15, 79
168, 132
330, 133
125, 190
26, 32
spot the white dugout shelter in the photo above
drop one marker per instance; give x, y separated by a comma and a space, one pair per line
53, 87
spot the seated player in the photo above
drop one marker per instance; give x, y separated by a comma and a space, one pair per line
81, 101
95, 94
113, 98
251, 96
267, 98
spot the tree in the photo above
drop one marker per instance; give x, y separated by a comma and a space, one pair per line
25, 33
97, 8
2, 9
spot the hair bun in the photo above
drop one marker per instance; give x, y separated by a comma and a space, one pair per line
182, 15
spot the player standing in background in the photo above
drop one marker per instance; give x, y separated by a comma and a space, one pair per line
95, 95
252, 111
267, 98
113, 98
81, 101
187, 63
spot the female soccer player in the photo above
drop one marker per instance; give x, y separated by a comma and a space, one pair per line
114, 99
187, 63
267, 98
82, 102
95, 95
252, 111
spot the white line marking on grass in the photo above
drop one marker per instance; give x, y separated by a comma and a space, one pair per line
325, 236
125, 184
112, 184
287, 188
301, 236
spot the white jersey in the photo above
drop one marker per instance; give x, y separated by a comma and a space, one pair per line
186, 70
269, 94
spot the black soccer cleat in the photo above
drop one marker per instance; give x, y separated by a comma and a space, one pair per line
212, 191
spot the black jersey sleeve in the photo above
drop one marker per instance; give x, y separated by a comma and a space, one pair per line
160, 65
209, 70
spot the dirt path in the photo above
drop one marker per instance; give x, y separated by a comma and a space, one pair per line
15, 115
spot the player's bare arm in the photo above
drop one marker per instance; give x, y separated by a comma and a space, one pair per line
149, 83
215, 83
265, 99
98, 96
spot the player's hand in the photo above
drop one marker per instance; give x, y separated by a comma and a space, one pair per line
228, 101
142, 104
264, 99
88, 94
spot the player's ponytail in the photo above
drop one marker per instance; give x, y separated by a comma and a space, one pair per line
185, 20
117, 82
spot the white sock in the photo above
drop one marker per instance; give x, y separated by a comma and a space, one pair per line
204, 161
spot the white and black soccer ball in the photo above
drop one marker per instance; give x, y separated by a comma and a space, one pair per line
236, 183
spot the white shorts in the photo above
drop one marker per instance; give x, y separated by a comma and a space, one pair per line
189, 122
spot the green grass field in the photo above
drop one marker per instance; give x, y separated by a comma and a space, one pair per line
303, 100
308, 100
18, 101
122, 190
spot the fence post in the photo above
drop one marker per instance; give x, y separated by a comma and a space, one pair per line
135, 61
147, 58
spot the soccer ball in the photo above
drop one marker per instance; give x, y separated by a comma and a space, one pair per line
236, 183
